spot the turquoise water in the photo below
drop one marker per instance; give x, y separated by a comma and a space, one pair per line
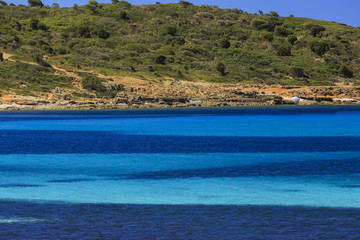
211, 173
287, 156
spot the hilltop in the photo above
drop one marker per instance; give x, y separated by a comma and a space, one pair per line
171, 53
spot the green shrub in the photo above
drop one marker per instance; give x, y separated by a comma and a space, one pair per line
224, 43
292, 39
267, 36
331, 62
274, 14
319, 47
160, 59
346, 72
282, 31
259, 24
102, 33
186, 4
41, 61
220, 67
316, 29
283, 50
297, 72
93, 83
123, 16
171, 30
34, 24
35, 3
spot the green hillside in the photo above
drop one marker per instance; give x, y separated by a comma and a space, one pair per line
180, 41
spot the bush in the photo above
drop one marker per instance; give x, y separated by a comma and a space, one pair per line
282, 31
267, 36
171, 30
346, 72
185, 3
35, 3
92, 6
274, 14
292, 39
123, 16
297, 72
283, 50
220, 67
160, 59
34, 24
259, 24
224, 43
93, 83
41, 61
102, 33
319, 47
316, 29
1, 57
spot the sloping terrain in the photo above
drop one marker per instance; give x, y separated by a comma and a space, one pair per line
171, 55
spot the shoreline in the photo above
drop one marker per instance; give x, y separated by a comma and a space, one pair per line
111, 106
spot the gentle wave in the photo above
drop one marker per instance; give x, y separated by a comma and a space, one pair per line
22, 220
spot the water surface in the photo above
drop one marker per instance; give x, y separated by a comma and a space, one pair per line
235, 164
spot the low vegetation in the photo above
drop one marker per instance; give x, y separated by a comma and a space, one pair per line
177, 40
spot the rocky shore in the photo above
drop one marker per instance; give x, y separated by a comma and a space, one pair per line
170, 94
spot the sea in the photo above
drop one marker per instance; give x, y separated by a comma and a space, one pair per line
279, 172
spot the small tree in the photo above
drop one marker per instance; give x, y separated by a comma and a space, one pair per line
259, 24
297, 72
35, 3
319, 47
220, 67
160, 59
34, 24
102, 33
224, 43
292, 39
123, 16
3, 3
55, 5
316, 29
283, 50
171, 30
92, 6
41, 61
346, 72
274, 14
186, 4
114, 1
1, 57
282, 31
266, 36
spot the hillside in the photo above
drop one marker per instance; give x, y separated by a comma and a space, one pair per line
105, 51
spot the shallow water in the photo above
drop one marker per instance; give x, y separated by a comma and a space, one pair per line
286, 159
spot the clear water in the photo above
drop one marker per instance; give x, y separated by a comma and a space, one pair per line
273, 160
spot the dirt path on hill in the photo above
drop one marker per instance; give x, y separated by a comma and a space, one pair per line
76, 79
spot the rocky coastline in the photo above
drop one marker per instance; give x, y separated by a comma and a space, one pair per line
186, 94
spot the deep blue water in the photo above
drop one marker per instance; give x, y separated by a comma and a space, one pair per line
212, 173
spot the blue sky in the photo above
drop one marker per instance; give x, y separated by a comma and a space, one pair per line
344, 11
